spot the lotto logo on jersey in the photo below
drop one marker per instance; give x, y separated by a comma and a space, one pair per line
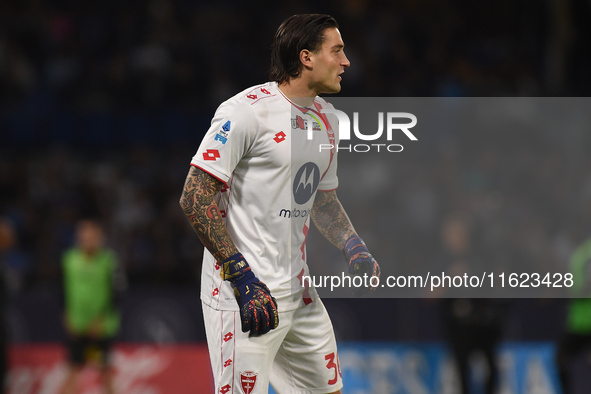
248, 380
222, 135
211, 155
279, 137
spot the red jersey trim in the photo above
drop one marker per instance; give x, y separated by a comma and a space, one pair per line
304, 109
255, 94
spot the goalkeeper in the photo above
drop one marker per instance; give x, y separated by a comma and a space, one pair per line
253, 181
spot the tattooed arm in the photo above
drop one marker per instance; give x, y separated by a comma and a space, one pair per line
258, 309
331, 219
198, 203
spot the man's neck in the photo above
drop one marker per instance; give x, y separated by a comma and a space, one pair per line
298, 92
89, 253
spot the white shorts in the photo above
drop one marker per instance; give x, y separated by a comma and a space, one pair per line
298, 357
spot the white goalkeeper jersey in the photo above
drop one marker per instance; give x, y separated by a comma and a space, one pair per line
258, 145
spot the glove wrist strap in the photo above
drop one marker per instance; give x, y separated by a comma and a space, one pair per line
353, 246
236, 270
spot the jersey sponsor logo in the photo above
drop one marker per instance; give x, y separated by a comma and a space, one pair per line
265, 91
227, 363
305, 182
296, 213
211, 155
248, 380
300, 123
228, 336
252, 96
222, 135
225, 389
279, 137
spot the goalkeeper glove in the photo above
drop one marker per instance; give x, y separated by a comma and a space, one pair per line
258, 309
361, 263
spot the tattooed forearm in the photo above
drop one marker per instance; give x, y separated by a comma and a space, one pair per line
198, 204
331, 219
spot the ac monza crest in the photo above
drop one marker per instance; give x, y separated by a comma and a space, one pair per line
248, 380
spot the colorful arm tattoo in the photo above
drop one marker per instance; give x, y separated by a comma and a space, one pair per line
198, 204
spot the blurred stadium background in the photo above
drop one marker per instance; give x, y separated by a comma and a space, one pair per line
102, 105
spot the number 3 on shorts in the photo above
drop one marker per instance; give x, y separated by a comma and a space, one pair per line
331, 364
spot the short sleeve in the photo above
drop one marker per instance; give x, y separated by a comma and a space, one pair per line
228, 139
330, 180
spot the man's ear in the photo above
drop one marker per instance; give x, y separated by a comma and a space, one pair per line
307, 58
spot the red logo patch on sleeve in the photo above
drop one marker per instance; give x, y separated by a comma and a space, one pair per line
211, 155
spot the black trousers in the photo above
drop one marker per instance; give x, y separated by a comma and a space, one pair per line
466, 341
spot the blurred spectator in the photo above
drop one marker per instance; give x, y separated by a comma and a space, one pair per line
473, 325
7, 242
15, 264
93, 284
577, 337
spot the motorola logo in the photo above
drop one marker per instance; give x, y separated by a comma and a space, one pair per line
305, 182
